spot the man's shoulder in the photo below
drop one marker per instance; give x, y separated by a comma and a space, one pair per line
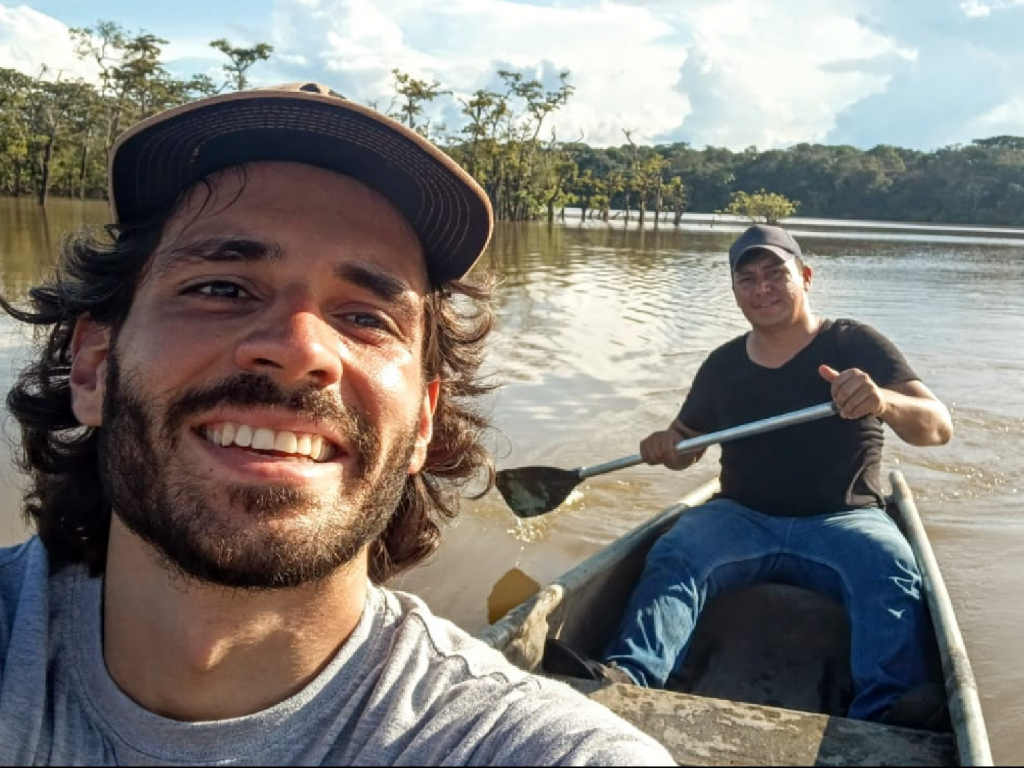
857, 337
418, 631
509, 710
20, 564
26, 594
846, 329
13, 559
727, 353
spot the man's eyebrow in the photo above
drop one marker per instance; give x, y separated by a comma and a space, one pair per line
241, 249
220, 249
759, 265
381, 284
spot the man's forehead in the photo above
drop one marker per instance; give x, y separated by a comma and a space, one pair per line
760, 257
265, 205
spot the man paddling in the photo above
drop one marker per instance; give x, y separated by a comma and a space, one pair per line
252, 408
802, 505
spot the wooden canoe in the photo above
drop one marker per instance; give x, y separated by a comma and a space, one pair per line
767, 676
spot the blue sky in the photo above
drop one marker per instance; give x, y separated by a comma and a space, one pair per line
732, 73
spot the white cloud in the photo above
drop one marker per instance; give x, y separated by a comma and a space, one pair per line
771, 76
733, 73
1005, 119
29, 40
623, 60
982, 9
730, 73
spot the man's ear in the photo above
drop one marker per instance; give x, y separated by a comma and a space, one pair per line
90, 345
426, 426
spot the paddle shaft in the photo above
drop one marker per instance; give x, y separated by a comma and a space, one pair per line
722, 436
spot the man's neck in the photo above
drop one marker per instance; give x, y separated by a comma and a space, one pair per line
775, 346
191, 651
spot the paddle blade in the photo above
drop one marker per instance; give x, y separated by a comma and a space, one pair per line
532, 491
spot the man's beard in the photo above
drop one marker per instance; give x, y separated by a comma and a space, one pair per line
280, 549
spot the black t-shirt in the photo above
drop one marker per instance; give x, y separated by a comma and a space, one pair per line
823, 466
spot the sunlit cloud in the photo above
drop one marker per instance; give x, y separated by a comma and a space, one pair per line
624, 61
757, 77
731, 73
1005, 119
31, 41
983, 8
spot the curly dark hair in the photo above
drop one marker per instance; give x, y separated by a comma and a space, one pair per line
97, 274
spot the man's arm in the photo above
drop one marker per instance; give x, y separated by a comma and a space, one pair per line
659, 447
910, 408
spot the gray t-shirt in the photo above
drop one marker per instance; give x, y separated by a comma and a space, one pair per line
407, 688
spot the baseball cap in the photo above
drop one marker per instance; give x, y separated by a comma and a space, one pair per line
156, 160
764, 237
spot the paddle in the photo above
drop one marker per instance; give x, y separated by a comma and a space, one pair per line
533, 491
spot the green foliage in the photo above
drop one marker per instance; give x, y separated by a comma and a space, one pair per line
241, 60
55, 136
415, 93
769, 207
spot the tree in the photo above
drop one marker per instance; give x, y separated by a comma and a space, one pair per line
558, 175
16, 91
769, 207
51, 106
675, 196
416, 93
523, 129
242, 60
586, 188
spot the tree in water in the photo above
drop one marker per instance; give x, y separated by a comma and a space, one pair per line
769, 207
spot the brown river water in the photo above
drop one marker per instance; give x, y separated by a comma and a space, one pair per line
600, 331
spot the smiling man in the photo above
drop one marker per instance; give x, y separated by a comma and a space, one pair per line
803, 505
253, 407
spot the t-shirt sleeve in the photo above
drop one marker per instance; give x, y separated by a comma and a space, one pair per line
865, 348
698, 411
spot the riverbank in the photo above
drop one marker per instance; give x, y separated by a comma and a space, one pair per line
862, 228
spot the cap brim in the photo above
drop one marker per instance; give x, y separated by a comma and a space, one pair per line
782, 253
158, 159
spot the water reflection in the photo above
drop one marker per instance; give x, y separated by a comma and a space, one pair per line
30, 235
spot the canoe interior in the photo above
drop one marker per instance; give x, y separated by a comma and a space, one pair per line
772, 644
771, 660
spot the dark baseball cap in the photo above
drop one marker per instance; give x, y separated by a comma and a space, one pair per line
764, 237
157, 159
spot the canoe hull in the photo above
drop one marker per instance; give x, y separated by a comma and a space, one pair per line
774, 653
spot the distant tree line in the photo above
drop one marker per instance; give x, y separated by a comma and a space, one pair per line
55, 135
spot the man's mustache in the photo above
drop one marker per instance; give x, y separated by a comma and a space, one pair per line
308, 402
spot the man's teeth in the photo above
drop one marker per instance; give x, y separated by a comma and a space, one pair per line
263, 439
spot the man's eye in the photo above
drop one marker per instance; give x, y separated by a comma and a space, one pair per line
366, 320
219, 289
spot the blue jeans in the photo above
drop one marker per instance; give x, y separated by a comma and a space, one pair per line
859, 558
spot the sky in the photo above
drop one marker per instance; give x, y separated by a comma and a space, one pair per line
921, 74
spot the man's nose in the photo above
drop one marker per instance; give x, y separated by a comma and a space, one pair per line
294, 343
762, 283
